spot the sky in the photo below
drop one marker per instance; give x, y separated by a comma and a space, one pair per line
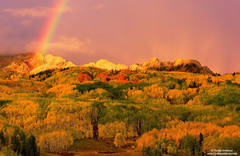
128, 31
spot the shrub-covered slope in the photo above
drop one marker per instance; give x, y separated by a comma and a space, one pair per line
131, 110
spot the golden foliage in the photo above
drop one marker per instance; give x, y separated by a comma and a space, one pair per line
154, 91
5, 91
148, 139
177, 130
174, 93
134, 92
6, 151
109, 130
98, 94
136, 95
57, 141
190, 91
62, 90
119, 140
22, 114
68, 115
230, 131
237, 79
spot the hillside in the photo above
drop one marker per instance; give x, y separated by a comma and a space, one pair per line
8, 59
15, 66
85, 110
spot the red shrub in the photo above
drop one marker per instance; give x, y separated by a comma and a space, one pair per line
84, 77
104, 77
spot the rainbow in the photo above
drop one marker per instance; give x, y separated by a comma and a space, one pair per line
51, 25
48, 31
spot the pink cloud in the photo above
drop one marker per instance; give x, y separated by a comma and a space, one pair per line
26, 22
99, 6
37, 12
65, 45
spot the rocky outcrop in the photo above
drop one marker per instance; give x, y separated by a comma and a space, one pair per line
105, 64
181, 65
41, 63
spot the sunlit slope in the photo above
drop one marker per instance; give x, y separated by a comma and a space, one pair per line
122, 108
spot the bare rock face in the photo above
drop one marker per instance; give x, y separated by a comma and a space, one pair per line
41, 63
181, 65
192, 66
180, 62
105, 64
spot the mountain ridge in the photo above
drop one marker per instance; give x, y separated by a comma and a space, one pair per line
33, 63
183, 65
